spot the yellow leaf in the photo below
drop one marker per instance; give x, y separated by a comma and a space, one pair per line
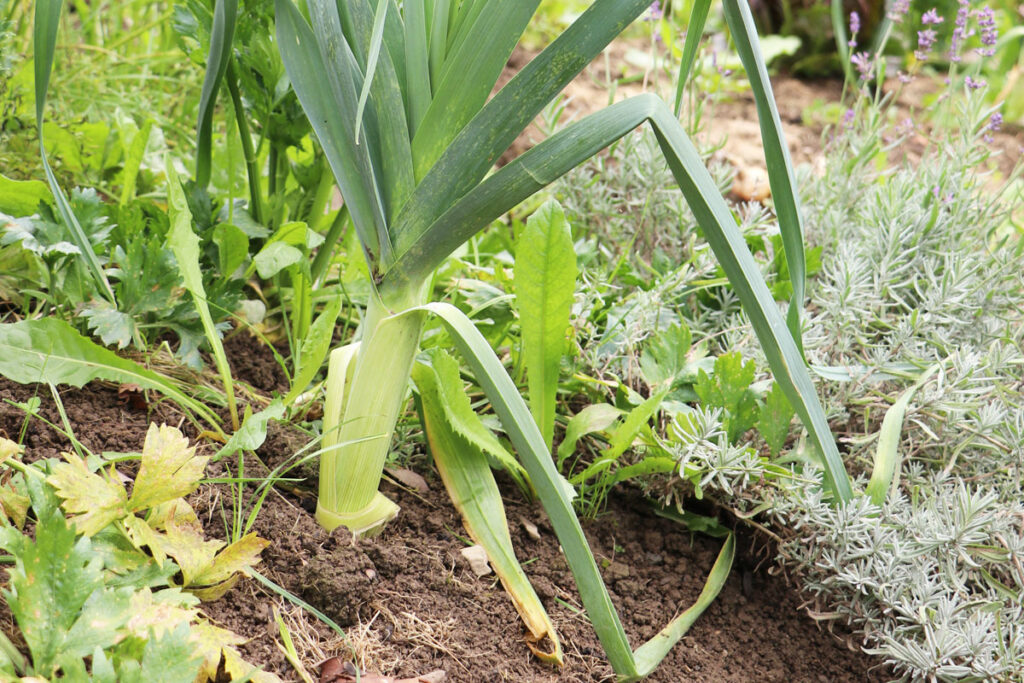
170, 468
245, 552
95, 500
210, 642
14, 505
158, 616
8, 449
215, 592
178, 511
143, 536
186, 545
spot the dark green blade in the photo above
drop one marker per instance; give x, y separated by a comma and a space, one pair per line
47, 22
473, 152
222, 34
780, 169
333, 118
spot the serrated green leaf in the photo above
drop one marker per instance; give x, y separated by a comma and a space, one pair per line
169, 468
545, 281
93, 501
473, 491
194, 554
729, 389
664, 358
465, 422
50, 584
776, 416
184, 242
171, 658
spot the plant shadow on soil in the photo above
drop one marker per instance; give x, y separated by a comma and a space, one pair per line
410, 604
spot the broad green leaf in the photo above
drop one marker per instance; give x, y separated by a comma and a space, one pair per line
545, 282
594, 418
448, 387
887, 455
169, 468
225, 16
232, 247
184, 242
56, 582
94, 500
253, 432
275, 257
51, 351
314, 348
475, 494
775, 418
664, 357
623, 435
21, 197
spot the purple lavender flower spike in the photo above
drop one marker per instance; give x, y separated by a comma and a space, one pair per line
989, 31
931, 17
898, 10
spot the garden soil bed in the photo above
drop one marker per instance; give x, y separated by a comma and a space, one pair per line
410, 604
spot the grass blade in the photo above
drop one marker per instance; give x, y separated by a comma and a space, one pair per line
650, 654
694, 32
184, 242
780, 169
560, 153
222, 35
545, 282
47, 23
887, 456
472, 488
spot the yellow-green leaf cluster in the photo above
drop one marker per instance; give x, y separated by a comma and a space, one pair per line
156, 516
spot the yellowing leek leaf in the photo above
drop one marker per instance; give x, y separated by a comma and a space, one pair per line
472, 488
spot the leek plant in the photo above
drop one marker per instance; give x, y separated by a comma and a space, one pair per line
400, 101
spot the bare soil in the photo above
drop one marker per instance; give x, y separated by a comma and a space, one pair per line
410, 605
